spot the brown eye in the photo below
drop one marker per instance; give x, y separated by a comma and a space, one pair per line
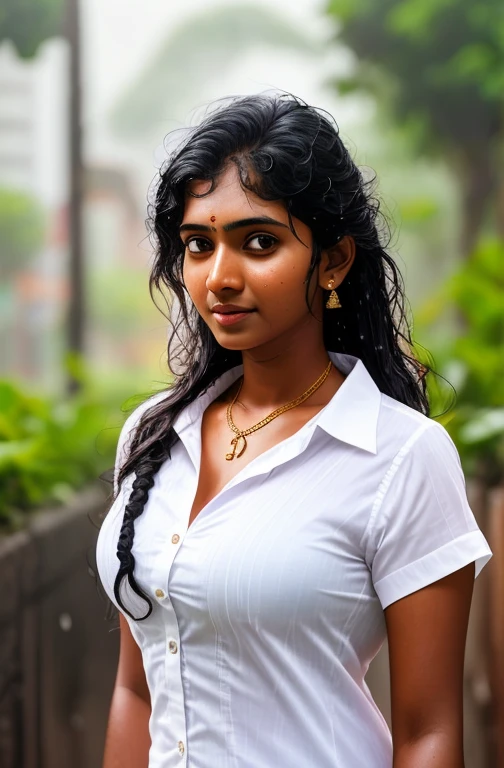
198, 245
261, 242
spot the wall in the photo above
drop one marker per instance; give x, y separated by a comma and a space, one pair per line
58, 655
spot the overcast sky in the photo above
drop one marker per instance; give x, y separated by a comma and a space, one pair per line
120, 35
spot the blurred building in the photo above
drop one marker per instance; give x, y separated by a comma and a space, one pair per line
34, 294
33, 162
33, 135
17, 121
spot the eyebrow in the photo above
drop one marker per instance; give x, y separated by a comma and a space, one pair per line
234, 225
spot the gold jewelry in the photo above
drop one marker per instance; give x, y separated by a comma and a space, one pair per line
333, 301
240, 440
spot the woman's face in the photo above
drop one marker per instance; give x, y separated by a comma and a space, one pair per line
241, 255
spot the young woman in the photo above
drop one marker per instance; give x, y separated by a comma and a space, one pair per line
287, 503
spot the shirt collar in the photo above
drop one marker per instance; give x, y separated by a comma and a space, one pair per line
351, 415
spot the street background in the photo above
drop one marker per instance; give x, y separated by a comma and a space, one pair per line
88, 94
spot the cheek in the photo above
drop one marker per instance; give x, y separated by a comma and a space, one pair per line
284, 282
194, 280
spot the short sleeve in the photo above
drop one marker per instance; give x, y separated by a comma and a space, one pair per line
422, 527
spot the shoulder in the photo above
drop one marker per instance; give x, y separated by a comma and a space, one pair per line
403, 429
422, 467
129, 426
135, 416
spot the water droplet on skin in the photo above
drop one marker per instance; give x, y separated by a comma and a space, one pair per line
65, 622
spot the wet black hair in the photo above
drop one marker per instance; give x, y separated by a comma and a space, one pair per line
284, 150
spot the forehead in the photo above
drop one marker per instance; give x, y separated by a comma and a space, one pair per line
227, 201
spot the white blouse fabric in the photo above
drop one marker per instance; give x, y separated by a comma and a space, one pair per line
268, 610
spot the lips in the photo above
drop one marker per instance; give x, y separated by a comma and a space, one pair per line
229, 309
229, 314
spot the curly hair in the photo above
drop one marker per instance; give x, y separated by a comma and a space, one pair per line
284, 150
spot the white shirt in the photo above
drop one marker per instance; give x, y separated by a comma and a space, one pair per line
269, 609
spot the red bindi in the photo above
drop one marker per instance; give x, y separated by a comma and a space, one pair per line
212, 218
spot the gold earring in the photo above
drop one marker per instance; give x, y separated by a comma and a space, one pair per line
333, 301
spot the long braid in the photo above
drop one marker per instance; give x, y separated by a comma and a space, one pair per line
145, 473
152, 440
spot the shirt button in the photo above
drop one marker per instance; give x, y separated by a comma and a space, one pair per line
159, 593
181, 747
172, 645
175, 538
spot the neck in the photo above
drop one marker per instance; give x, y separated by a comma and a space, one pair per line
275, 375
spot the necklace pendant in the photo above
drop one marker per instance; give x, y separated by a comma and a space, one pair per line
239, 442
236, 453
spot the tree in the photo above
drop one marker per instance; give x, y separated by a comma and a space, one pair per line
27, 23
443, 62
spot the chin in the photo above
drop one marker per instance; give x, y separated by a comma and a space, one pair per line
244, 344
236, 344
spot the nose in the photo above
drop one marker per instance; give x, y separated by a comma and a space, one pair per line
224, 271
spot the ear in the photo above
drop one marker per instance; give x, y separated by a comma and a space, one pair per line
335, 262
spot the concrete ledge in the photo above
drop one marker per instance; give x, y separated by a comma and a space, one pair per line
58, 655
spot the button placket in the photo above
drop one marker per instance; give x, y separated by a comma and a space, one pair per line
172, 662
173, 681
173, 678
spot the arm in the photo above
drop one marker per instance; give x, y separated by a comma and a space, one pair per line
128, 741
427, 634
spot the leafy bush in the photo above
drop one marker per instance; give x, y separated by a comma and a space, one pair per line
473, 358
51, 447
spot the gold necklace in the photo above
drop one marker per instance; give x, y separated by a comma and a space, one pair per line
241, 433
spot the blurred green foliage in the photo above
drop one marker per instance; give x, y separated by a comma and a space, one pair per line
472, 360
27, 23
438, 67
444, 57
22, 228
50, 447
